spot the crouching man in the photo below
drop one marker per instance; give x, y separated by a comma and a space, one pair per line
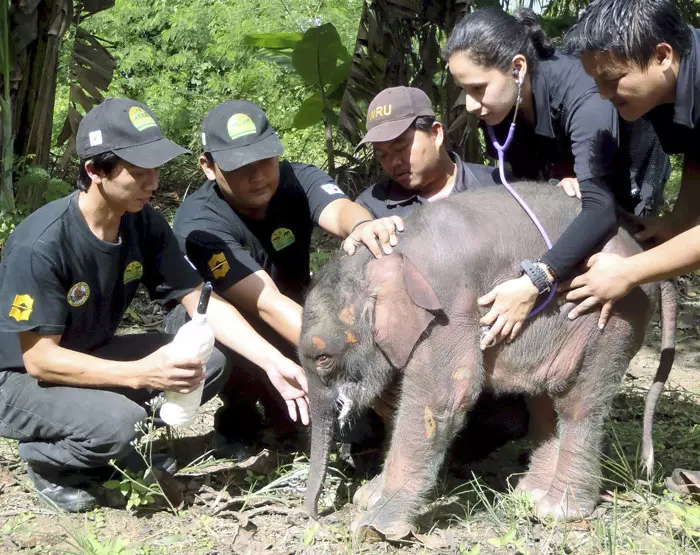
71, 391
248, 230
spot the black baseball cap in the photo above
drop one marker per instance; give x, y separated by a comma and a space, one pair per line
127, 128
393, 111
237, 133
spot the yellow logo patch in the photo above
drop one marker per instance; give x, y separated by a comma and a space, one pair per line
22, 308
141, 119
218, 265
78, 294
240, 125
282, 238
380, 111
133, 271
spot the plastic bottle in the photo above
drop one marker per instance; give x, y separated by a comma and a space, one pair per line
194, 340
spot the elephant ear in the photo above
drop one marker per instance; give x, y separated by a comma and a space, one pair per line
404, 308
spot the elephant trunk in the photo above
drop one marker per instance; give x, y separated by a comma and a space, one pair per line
323, 415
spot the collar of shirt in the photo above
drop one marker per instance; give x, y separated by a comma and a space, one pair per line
687, 105
397, 195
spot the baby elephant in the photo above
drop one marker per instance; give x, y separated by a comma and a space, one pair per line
414, 315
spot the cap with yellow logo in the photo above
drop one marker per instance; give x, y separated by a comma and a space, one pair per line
127, 128
237, 133
393, 111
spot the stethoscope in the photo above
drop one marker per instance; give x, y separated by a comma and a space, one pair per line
501, 150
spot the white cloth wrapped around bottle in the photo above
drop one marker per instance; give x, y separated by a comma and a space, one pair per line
194, 340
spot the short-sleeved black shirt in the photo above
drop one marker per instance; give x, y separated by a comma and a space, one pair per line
677, 124
58, 278
226, 246
578, 134
388, 198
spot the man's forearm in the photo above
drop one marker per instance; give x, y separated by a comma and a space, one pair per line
675, 257
283, 315
52, 363
237, 334
341, 216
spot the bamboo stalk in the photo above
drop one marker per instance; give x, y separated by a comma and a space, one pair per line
7, 198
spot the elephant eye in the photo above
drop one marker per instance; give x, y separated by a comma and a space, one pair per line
324, 361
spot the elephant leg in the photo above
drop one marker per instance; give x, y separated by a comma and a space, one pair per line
543, 418
429, 416
564, 474
370, 492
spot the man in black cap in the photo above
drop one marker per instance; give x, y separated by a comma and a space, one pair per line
248, 230
410, 145
71, 391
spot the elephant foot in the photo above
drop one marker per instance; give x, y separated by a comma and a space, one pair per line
534, 486
367, 495
562, 506
373, 526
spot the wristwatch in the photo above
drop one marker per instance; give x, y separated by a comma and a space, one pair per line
537, 276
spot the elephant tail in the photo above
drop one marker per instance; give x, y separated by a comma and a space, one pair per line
669, 318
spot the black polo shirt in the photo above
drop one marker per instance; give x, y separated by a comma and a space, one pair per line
677, 124
388, 198
58, 278
226, 246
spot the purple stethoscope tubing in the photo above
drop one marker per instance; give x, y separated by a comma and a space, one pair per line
501, 150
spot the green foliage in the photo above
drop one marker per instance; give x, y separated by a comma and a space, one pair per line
182, 58
134, 488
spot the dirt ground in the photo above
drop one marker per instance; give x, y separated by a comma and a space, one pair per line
254, 507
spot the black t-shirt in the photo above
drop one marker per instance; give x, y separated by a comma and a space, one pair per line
227, 247
388, 198
677, 124
58, 278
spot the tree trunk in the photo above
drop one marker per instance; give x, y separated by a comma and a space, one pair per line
35, 74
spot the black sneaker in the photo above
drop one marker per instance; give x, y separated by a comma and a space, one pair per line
69, 491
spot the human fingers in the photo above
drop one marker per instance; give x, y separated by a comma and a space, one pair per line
605, 314
583, 307
578, 294
349, 246
398, 223
292, 409
378, 232
492, 335
488, 298
303, 408
516, 330
568, 186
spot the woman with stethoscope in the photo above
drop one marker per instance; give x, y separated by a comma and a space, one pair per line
510, 73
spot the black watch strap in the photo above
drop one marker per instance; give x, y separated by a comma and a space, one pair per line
537, 276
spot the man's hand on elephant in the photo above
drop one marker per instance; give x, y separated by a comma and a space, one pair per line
571, 187
512, 302
378, 235
604, 282
289, 380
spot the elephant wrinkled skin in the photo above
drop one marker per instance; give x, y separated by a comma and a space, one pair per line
414, 314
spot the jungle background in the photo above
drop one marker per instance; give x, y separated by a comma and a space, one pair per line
313, 66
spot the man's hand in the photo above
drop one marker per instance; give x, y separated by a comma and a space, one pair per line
512, 302
571, 187
382, 231
655, 229
603, 283
289, 380
163, 371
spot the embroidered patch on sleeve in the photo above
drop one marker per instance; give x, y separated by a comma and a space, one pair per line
332, 189
22, 308
218, 265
